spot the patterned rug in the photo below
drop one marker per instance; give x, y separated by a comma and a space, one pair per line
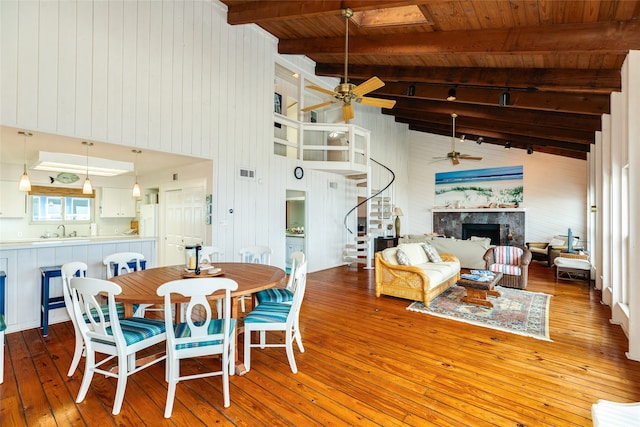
516, 311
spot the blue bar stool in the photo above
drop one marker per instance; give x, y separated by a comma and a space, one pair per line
3, 277
131, 264
49, 303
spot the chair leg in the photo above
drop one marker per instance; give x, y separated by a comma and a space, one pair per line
298, 336
89, 366
247, 348
290, 355
232, 354
1, 357
225, 380
123, 373
171, 386
263, 339
77, 354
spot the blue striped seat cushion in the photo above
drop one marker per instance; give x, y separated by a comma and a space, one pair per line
215, 327
3, 325
268, 312
512, 270
274, 295
105, 311
136, 329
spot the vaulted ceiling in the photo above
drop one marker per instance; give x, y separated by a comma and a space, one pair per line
558, 60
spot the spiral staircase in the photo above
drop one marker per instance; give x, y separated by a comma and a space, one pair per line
377, 194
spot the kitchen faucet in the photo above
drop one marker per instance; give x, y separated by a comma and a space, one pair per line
64, 230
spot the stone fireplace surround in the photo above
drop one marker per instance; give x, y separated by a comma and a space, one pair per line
449, 222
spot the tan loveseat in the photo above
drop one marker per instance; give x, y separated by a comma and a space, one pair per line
470, 252
421, 281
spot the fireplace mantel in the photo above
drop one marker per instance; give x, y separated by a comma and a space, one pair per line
481, 210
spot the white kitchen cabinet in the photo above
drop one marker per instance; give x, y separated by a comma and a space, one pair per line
117, 203
13, 202
294, 244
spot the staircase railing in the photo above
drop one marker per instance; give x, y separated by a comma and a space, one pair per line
360, 250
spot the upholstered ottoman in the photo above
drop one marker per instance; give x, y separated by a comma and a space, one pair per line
573, 268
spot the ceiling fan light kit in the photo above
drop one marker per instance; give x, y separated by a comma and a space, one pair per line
347, 92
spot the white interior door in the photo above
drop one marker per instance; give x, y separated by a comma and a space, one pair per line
182, 222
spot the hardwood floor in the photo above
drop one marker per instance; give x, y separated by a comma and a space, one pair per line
368, 361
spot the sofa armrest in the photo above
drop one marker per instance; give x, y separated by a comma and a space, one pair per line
393, 279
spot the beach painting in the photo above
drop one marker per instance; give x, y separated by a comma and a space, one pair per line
480, 188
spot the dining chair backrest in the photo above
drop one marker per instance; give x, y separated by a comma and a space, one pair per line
256, 255
300, 286
122, 260
210, 254
86, 294
297, 258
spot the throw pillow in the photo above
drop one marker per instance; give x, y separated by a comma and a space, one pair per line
414, 252
432, 253
403, 259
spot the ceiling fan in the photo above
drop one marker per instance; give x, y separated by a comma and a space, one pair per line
454, 155
348, 92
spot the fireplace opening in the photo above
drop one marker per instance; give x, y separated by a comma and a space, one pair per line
482, 230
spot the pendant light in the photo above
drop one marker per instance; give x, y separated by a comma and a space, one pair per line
136, 187
25, 183
87, 188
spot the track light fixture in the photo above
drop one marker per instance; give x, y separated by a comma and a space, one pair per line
530, 150
479, 140
507, 145
451, 95
505, 98
462, 138
411, 90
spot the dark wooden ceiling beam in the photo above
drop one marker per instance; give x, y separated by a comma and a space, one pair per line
555, 102
599, 81
484, 126
593, 37
492, 113
498, 138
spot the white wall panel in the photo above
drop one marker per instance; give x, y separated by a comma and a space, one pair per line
27, 82
84, 68
129, 72
8, 62
66, 111
142, 75
48, 66
100, 68
114, 70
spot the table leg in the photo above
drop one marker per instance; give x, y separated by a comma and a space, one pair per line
235, 313
479, 296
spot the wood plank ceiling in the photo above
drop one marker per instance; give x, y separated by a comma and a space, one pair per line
558, 60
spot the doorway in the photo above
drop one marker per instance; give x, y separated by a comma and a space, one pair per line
295, 221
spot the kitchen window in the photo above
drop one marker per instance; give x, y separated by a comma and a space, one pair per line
60, 208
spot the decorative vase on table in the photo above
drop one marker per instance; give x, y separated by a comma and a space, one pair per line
398, 214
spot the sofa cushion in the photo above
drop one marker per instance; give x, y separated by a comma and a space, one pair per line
438, 272
414, 252
431, 252
557, 242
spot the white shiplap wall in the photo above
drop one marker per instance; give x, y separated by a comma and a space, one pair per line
555, 187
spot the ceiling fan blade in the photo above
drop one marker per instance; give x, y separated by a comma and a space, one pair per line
376, 102
321, 89
347, 112
369, 86
317, 106
468, 157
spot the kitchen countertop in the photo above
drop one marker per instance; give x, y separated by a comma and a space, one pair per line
67, 241
294, 235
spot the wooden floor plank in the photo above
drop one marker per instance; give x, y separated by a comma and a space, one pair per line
368, 361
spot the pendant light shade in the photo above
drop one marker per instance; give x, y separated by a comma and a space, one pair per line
87, 188
25, 183
136, 188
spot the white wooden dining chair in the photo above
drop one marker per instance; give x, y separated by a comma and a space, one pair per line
284, 295
254, 255
204, 336
210, 254
118, 264
116, 338
270, 316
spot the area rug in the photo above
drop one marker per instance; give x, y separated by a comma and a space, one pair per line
516, 311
